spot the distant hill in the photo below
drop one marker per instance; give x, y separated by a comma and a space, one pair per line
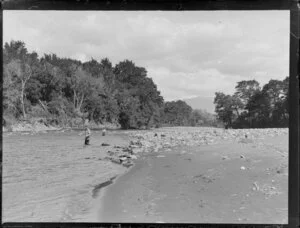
204, 103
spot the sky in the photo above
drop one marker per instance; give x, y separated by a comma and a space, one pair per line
186, 53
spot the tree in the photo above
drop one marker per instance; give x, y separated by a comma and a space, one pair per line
132, 81
225, 107
251, 106
130, 112
14, 50
277, 93
23, 69
203, 118
177, 113
258, 110
246, 89
11, 97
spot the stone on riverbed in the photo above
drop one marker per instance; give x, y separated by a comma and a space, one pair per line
105, 144
178, 136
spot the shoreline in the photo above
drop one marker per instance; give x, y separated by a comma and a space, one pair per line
154, 197
98, 167
94, 213
39, 126
144, 147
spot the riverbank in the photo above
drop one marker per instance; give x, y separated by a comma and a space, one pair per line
167, 138
237, 180
39, 125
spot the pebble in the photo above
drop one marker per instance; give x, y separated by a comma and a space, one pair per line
160, 156
133, 156
179, 136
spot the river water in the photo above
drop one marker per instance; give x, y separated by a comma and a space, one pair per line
50, 177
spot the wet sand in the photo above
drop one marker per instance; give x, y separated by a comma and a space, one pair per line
230, 182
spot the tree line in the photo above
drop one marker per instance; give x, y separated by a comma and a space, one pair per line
253, 106
66, 92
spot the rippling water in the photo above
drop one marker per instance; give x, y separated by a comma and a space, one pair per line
50, 176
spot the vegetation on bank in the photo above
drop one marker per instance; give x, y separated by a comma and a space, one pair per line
67, 92
252, 106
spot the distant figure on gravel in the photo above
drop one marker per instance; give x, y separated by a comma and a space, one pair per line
87, 136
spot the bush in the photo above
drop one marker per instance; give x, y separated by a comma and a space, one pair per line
38, 111
8, 121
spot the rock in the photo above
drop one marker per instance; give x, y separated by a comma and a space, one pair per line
243, 168
134, 146
155, 135
115, 160
127, 164
111, 152
225, 157
160, 156
242, 156
137, 150
256, 187
123, 158
133, 156
105, 144
126, 149
162, 135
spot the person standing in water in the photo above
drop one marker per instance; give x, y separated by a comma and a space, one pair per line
87, 136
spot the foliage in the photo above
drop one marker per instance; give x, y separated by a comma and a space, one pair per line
177, 113
204, 118
254, 107
67, 92
66, 89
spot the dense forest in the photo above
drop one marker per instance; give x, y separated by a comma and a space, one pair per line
254, 107
66, 92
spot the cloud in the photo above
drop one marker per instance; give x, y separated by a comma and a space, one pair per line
186, 53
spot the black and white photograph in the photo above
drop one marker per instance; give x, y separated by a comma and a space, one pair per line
145, 116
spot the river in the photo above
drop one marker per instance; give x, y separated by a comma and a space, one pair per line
52, 177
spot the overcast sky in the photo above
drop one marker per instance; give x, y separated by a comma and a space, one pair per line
186, 53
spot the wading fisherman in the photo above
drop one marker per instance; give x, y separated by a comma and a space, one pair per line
103, 132
87, 136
